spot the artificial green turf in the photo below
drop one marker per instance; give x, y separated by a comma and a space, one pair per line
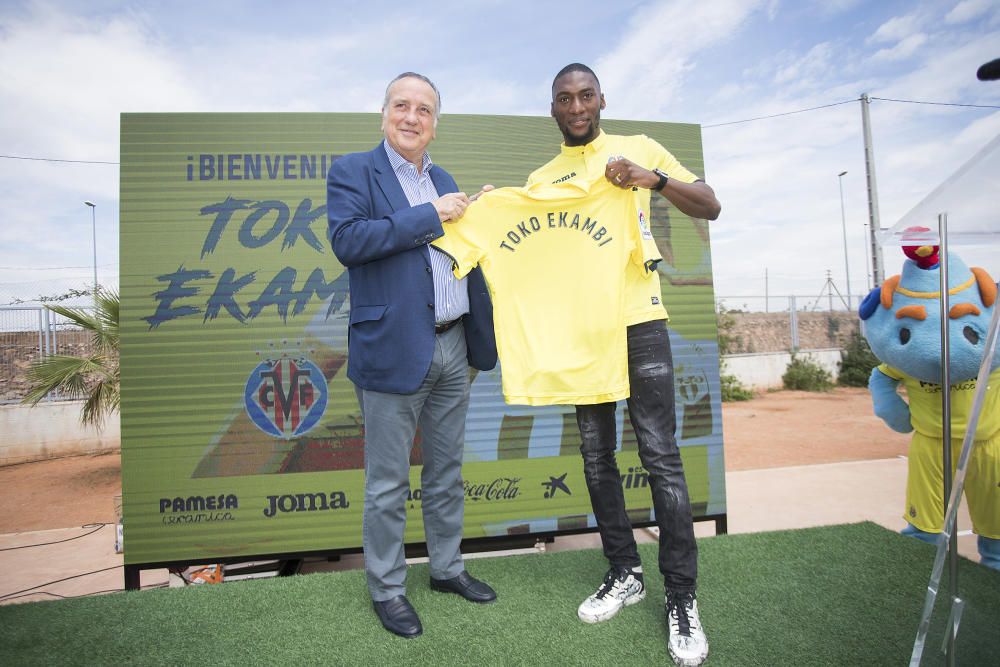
843, 595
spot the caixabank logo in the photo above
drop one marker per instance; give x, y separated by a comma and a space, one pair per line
285, 397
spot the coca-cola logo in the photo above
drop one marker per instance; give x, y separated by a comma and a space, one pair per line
501, 488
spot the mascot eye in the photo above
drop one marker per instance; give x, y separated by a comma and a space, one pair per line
971, 335
904, 335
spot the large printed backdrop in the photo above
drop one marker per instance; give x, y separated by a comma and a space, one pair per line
241, 433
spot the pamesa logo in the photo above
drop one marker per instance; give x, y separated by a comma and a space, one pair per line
285, 395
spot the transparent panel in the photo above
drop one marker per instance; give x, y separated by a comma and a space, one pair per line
971, 198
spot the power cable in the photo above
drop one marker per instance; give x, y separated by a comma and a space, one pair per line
51, 159
68, 539
940, 104
83, 595
857, 99
786, 113
57, 581
51, 268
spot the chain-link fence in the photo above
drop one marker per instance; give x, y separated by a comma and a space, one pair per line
755, 324
28, 333
828, 301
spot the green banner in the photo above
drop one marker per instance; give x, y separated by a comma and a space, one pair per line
241, 434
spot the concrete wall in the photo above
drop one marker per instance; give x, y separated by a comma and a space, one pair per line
50, 430
764, 371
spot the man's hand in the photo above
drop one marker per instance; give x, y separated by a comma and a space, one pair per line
451, 206
627, 174
484, 190
696, 200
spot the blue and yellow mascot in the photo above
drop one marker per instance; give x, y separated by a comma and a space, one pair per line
902, 324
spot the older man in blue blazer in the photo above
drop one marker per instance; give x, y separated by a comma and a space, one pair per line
414, 331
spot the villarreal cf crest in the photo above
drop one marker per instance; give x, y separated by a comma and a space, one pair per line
285, 397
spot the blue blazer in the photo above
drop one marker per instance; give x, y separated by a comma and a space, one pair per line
382, 241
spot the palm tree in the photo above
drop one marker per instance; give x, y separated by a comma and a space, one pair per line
94, 377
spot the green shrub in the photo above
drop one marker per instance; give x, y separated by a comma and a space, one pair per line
730, 342
856, 362
806, 375
832, 327
733, 389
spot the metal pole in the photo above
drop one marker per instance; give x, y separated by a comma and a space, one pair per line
946, 423
868, 264
93, 221
793, 322
878, 273
843, 224
41, 328
52, 332
50, 347
829, 289
765, 290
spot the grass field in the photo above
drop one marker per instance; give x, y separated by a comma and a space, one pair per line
844, 595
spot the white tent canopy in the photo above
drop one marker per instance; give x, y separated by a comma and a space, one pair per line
971, 199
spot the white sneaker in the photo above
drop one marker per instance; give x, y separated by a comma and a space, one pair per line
686, 640
621, 587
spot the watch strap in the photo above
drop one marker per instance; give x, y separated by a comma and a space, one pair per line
662, 182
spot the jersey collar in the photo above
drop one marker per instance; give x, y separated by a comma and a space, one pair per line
594, 146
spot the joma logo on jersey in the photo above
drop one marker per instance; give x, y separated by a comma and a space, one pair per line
285, 397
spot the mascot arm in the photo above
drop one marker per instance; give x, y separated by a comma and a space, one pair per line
889, 406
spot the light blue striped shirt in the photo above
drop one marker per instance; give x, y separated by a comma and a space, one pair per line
451, 295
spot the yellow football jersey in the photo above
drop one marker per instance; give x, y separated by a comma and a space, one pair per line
554, 257
925, 405
585, 164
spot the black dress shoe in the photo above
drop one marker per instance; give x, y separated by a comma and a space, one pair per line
399, 617
467, 586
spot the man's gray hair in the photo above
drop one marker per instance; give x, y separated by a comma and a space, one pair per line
414, 75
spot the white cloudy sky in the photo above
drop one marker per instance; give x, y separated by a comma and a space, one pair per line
70, 68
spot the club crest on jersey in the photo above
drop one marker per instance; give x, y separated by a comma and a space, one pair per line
647, 234
285, 397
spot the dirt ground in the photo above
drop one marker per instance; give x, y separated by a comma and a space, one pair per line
791, 428
785, 428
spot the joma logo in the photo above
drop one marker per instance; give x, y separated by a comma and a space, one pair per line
306, 502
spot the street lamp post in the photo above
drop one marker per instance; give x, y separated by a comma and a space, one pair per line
843, 224
93, 221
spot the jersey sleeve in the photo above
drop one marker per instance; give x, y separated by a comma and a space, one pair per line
463, 240
890, 371
665, 161
535, 177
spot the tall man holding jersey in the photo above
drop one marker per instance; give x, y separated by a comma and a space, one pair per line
640, 163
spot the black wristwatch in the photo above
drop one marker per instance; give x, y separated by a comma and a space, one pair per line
662, 182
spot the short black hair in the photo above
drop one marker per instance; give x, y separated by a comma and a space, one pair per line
575, 67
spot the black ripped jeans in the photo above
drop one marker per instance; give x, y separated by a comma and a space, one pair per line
651, 411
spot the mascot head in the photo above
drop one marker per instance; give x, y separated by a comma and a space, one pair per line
902, 319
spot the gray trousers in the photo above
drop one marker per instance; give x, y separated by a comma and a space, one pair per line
438, 407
